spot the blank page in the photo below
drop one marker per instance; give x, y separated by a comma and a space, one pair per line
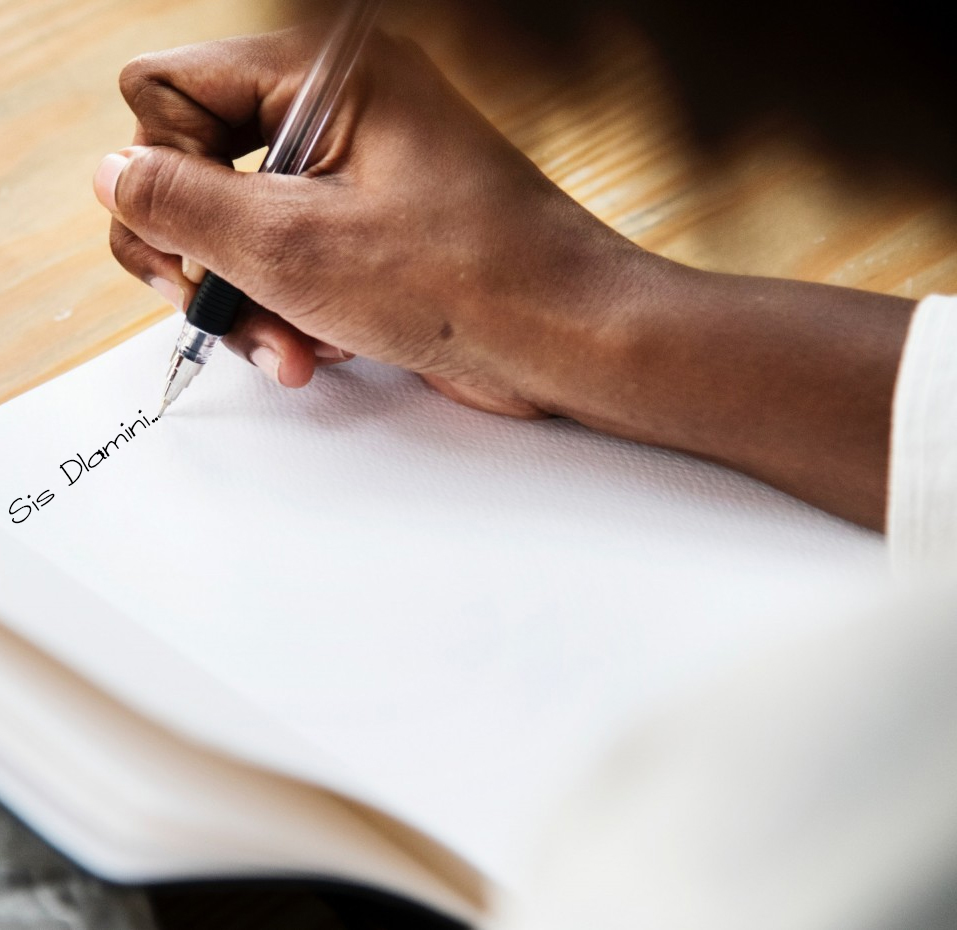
452, 607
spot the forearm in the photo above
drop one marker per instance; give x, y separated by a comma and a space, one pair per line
788, 381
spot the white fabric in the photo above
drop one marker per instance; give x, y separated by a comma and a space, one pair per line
810, 790
922, 511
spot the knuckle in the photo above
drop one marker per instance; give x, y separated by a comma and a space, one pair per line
130, 251
138, 73
119, 240
121, 243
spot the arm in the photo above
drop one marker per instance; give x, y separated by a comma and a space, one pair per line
422, 238
787, 381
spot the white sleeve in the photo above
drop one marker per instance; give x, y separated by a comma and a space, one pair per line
922, 506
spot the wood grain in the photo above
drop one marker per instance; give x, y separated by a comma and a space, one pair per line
610, 134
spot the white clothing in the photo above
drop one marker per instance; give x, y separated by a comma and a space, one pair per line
922, 508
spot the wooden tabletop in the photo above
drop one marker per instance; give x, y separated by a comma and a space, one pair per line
610, 134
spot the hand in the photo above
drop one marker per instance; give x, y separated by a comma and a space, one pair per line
419, 236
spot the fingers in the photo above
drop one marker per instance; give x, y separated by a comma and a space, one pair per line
160, 271
278, 349
245, 227
166, 116
150, 230
199, 99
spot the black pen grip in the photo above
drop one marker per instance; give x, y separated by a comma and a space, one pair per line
214, 308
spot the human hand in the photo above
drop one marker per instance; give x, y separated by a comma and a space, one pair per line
419, 236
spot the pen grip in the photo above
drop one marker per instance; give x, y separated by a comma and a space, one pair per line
214, 308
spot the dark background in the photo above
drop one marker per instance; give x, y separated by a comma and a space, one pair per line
873, 83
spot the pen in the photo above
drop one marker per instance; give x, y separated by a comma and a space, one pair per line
213, 310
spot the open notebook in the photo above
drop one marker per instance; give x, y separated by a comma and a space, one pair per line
355, 631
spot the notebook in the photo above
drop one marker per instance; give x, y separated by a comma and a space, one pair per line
356, 632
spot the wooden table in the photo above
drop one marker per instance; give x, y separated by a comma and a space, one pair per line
611, 135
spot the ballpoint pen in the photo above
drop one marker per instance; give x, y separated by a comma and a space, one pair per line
213, 310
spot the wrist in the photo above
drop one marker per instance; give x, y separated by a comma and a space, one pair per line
788, 381
612, 344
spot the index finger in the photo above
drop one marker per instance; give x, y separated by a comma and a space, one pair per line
222, 98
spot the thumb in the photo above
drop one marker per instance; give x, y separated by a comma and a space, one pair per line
190, 205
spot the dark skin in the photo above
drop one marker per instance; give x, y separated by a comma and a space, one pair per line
422, 238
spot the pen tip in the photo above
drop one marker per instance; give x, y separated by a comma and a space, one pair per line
162, 409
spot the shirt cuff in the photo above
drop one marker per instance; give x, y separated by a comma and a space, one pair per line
922, 504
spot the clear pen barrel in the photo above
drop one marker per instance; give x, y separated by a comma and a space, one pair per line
194, 345
315, 104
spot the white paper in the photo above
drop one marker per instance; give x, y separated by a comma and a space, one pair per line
454, 606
